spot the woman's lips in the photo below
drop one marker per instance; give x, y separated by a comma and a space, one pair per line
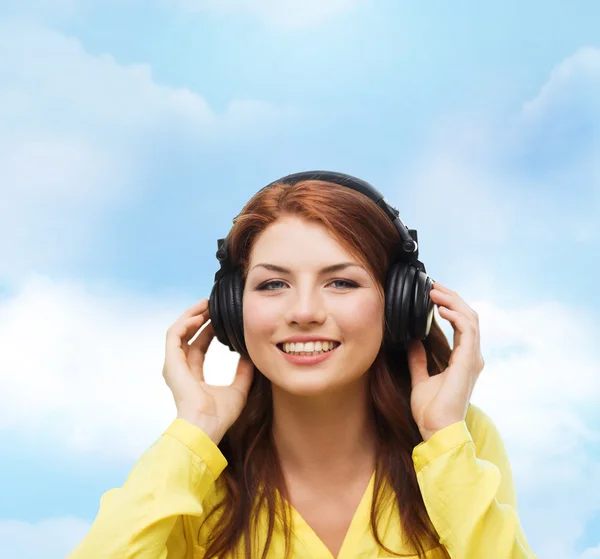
307, 359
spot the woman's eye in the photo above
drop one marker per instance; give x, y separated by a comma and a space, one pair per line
266, 286
348, 283
270, 285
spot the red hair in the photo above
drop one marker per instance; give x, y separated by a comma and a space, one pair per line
253, 470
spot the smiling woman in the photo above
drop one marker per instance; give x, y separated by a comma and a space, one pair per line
348, 430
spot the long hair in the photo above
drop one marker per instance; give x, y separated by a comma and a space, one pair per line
253, 476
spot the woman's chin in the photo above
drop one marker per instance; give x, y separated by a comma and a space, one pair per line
309, 384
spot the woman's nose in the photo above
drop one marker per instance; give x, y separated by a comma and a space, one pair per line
306, 308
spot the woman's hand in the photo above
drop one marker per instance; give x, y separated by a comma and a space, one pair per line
212, 408
443, 399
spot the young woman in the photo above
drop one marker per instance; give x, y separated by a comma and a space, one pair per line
347, 432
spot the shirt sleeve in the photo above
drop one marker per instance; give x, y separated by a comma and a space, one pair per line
164, 489
467, 486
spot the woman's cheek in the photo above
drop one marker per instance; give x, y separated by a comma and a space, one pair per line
259, 317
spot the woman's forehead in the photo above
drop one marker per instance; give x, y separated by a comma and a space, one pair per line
296, 232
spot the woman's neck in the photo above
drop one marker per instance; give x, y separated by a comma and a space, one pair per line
329, 438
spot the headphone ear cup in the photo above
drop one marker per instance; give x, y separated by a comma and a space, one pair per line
235, 295
394, 335
214, 306
406, 311
422, 306
408, 306
225, 304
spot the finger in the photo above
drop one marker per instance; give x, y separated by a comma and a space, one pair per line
192, 326
183, 331
440, 287
466, 335
196, 351
180, 333
454, 302
202, 342
461, 374
198, 307
458, 320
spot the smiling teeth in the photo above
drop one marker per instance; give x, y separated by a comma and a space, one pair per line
308, 347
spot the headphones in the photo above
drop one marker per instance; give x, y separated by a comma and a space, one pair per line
408, 306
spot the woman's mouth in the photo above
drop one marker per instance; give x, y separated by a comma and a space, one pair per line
307, 359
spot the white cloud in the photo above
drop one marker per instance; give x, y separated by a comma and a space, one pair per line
284, 13
52, 538
575, 82
54, 79
82, 368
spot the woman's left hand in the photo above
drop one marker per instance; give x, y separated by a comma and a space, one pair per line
441, 400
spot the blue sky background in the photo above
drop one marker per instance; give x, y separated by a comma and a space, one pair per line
132, 133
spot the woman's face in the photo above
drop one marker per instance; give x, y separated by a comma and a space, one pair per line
343, 305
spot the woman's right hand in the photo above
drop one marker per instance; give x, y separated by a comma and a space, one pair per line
212, 408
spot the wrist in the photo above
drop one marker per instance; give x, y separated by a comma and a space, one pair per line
426, 434
210, 425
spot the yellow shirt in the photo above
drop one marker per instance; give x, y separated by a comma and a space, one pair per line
463, 473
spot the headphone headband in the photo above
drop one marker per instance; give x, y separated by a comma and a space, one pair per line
409, 246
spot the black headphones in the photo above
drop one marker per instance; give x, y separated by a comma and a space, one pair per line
408, 306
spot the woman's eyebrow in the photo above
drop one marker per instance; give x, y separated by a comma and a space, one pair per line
328, 269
